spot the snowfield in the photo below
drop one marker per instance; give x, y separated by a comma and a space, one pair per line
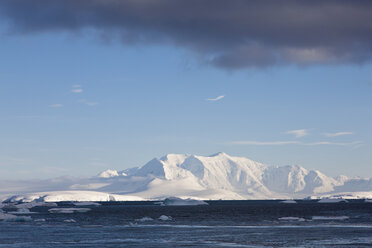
215, 177
79, 196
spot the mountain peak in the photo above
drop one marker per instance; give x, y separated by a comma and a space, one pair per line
219, 154
108, 173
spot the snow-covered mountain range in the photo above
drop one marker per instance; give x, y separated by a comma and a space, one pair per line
219, 176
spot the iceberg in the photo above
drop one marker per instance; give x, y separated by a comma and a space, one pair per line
14, 218
331, 200
70, 221
143, 219
290, 218
288, 201
40, 220
44, 198
330, 217
165, 218
68, 210
175, 201
86, 204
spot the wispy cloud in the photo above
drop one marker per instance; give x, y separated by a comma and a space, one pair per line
76, 89
215, 99
263, 143
298, 132
279, 143
56, 105
88, 103
337, 134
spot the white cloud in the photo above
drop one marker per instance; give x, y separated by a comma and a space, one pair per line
278, 143
76, 88
298, 133
264, 143
88, 103
56, 105
337, 134
215, 99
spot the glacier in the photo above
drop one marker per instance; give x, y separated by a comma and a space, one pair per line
186, 176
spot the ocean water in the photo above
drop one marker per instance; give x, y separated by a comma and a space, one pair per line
220, 224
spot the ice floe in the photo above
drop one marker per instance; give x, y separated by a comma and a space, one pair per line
70, 221
40, 220
175, 201
86, 204
165, 218
331, 200
146, 218
290, 218
68, 210
70, 196
288, 201
14, 218
330, 217
22, 211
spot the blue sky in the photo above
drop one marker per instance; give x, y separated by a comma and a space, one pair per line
76, 104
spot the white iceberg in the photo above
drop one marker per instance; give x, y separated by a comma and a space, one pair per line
330, 217
288, 201
86, 204
175, 201
22, 211
70, 221
165, 218
14, 218
68, 210
39, 220
290, 218
39, 199
143, 219
331, 200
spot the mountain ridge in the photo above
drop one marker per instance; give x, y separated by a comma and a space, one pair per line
242, 176
218, 176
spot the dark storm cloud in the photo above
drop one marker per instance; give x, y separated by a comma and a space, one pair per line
225, 33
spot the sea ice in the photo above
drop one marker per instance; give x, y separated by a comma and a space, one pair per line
330, 217
175, 201
32, 204
42, 198
289, 218
331, 200
165, 218
14, 218
70, 221
39, 220
143, 219
68, 210
22, 211
289, 201
86, 204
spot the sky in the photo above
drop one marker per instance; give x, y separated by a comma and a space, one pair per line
90, 85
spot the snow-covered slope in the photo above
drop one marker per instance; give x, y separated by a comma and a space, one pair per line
60, 196
218, 176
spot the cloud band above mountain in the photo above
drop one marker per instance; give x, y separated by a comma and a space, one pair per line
228, 34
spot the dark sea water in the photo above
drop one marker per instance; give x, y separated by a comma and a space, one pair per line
220, 224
